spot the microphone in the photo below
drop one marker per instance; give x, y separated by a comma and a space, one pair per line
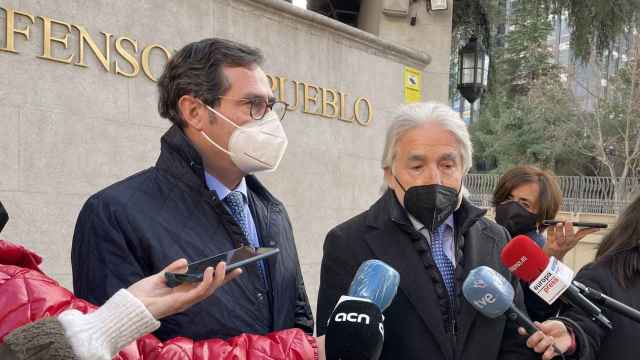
548, 278
376, 281
609, 302
492, 295
4, 217
355, 330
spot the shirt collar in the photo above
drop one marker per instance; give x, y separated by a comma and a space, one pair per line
221, 190
419, 226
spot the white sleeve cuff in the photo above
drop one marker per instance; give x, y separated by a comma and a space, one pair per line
102, 333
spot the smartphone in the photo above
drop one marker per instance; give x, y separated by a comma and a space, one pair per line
234, 259
577, 224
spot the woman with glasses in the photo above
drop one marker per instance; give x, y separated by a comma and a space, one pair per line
524, 198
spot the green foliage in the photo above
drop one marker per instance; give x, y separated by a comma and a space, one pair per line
595, 23
528, 116
526, 57
532, 129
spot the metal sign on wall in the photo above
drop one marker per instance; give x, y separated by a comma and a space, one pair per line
412, 85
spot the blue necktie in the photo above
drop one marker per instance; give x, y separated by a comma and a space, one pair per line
442, 261
235, 203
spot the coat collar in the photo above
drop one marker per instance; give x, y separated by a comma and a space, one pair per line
179, 158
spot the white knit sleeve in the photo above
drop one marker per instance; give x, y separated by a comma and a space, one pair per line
102, 333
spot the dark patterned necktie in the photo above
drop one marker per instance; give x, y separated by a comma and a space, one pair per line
443, 262
235, 202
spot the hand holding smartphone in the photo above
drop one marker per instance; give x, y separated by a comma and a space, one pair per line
234, 259
577, 224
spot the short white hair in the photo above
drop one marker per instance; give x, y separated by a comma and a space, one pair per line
411, 116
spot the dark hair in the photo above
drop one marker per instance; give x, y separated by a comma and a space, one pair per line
620, 248
196, 70
550, 196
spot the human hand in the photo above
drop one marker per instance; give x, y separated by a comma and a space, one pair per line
321, 352
162, 301
561, 239
553, 338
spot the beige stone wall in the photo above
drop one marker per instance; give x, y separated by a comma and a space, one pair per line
69, 131
430, 34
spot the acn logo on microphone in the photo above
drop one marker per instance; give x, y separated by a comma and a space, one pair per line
352, 317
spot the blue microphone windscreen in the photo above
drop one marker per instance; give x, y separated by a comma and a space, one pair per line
488, 291
375, 281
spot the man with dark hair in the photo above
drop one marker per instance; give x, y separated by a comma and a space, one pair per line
201, 199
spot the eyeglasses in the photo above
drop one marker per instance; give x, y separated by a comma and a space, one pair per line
260, 107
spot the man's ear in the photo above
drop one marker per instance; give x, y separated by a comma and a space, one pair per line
193, 112
388, 177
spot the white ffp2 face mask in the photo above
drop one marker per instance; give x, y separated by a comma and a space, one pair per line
256, 146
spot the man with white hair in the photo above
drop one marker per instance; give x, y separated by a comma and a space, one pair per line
424, 228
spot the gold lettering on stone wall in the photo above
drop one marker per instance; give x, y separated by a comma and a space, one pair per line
343, 112
325, 102
9, 40
130, 58
309, 99
357, 114
127, 61
48, 39
85, 38
57, 34
146, 54
296, 94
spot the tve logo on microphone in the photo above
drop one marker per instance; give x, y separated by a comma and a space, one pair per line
488, 291
553, 281
352, 317
487, 299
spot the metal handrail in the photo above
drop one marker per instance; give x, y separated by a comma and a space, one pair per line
582, 194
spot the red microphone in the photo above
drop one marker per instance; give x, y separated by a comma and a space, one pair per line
548, 278
523, 257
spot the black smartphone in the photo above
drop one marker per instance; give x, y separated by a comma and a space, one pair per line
234, 259
577, 224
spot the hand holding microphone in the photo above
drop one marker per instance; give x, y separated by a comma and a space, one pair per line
355, 330
549, 278
492, 295
552, 338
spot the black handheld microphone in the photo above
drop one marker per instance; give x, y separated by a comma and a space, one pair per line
355, 330
608, 302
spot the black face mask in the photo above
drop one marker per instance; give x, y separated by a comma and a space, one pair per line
4, 217
430, 204
513, 216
